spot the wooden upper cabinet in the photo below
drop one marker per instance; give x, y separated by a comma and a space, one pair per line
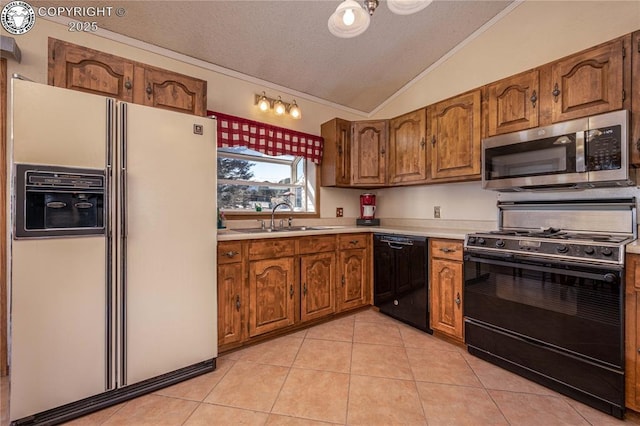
634, 151
513, 103
336, 166
454, 137
587, 83
407, 148
169, 90
79, 68
369, 152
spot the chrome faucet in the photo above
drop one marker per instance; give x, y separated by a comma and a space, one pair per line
273, 212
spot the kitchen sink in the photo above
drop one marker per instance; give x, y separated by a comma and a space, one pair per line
285, 229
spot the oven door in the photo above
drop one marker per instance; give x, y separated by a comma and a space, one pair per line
576, 309
558, 326
549, 156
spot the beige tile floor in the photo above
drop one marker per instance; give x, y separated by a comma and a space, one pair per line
364, 369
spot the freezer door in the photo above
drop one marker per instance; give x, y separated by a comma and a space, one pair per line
58, 286
168, 224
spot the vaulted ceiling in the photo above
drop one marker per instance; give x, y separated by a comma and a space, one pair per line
288, 44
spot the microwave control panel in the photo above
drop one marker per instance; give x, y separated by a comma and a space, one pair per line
604, 148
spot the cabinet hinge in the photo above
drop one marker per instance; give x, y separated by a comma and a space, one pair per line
53, 54
624, 94
624, 52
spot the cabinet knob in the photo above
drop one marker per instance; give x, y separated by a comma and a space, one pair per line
555, 93
638, 144
533, 99
231, 254
128, 85
149, 90
422, 143
458, 301
342, 281
304, 289
291, 291
382, 151
353, 242
433, 140
237, 302
447, 250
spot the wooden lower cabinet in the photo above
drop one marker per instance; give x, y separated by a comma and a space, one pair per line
317, 281
353, 265
632, 332
232, 293
446, 288
271, 285
271, 295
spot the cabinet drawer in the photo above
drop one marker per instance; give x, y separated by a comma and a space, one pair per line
229, 252
317, 244
349, 241
275, 247
446, 249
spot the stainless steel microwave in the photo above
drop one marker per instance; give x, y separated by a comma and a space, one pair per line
584, 153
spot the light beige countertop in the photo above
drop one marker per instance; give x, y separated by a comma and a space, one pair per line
633, 247
452, 233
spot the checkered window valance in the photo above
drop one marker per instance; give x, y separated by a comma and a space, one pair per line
265, 138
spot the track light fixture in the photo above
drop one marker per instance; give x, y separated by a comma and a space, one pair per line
352, 19
278, 106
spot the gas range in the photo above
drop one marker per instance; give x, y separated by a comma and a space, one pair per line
562, 245
585, 232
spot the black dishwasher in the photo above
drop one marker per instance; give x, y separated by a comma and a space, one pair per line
400, 278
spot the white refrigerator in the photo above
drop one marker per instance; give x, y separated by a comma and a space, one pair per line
99, 318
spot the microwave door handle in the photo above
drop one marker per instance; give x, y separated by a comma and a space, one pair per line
581, 153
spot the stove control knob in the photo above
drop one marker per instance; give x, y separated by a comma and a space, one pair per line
607, 251
471, 240
589, 250
562, 249
500, 243
610, 278
481, 241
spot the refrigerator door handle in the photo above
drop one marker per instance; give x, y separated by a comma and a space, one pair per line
109, 284
123, 244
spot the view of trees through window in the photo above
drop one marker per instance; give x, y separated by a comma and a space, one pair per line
251, 181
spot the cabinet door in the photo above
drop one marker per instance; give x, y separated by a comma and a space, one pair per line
230, 303
317, 280
454, 137
632, 332
78, 68
513, 103
446, 297
587, 83
336, 167
407, 148
369, 152
635, 100
169, 90
271, 294
353, 278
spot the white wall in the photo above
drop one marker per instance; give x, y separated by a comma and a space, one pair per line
533, 33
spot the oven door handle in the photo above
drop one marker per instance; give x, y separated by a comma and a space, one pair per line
604, 276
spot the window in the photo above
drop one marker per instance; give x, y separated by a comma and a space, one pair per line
250, 181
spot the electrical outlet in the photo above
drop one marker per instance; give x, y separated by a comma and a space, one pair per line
339, 212
436, 212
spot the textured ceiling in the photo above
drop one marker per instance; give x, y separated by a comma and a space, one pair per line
287, 43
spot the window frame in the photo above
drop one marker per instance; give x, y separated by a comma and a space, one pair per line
238, 215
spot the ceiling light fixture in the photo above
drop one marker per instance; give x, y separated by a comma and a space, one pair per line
278, 106
352, 19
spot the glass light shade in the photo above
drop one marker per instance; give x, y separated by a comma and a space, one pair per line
339, 27
407, 7
294, 111
278, 107
263, 103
